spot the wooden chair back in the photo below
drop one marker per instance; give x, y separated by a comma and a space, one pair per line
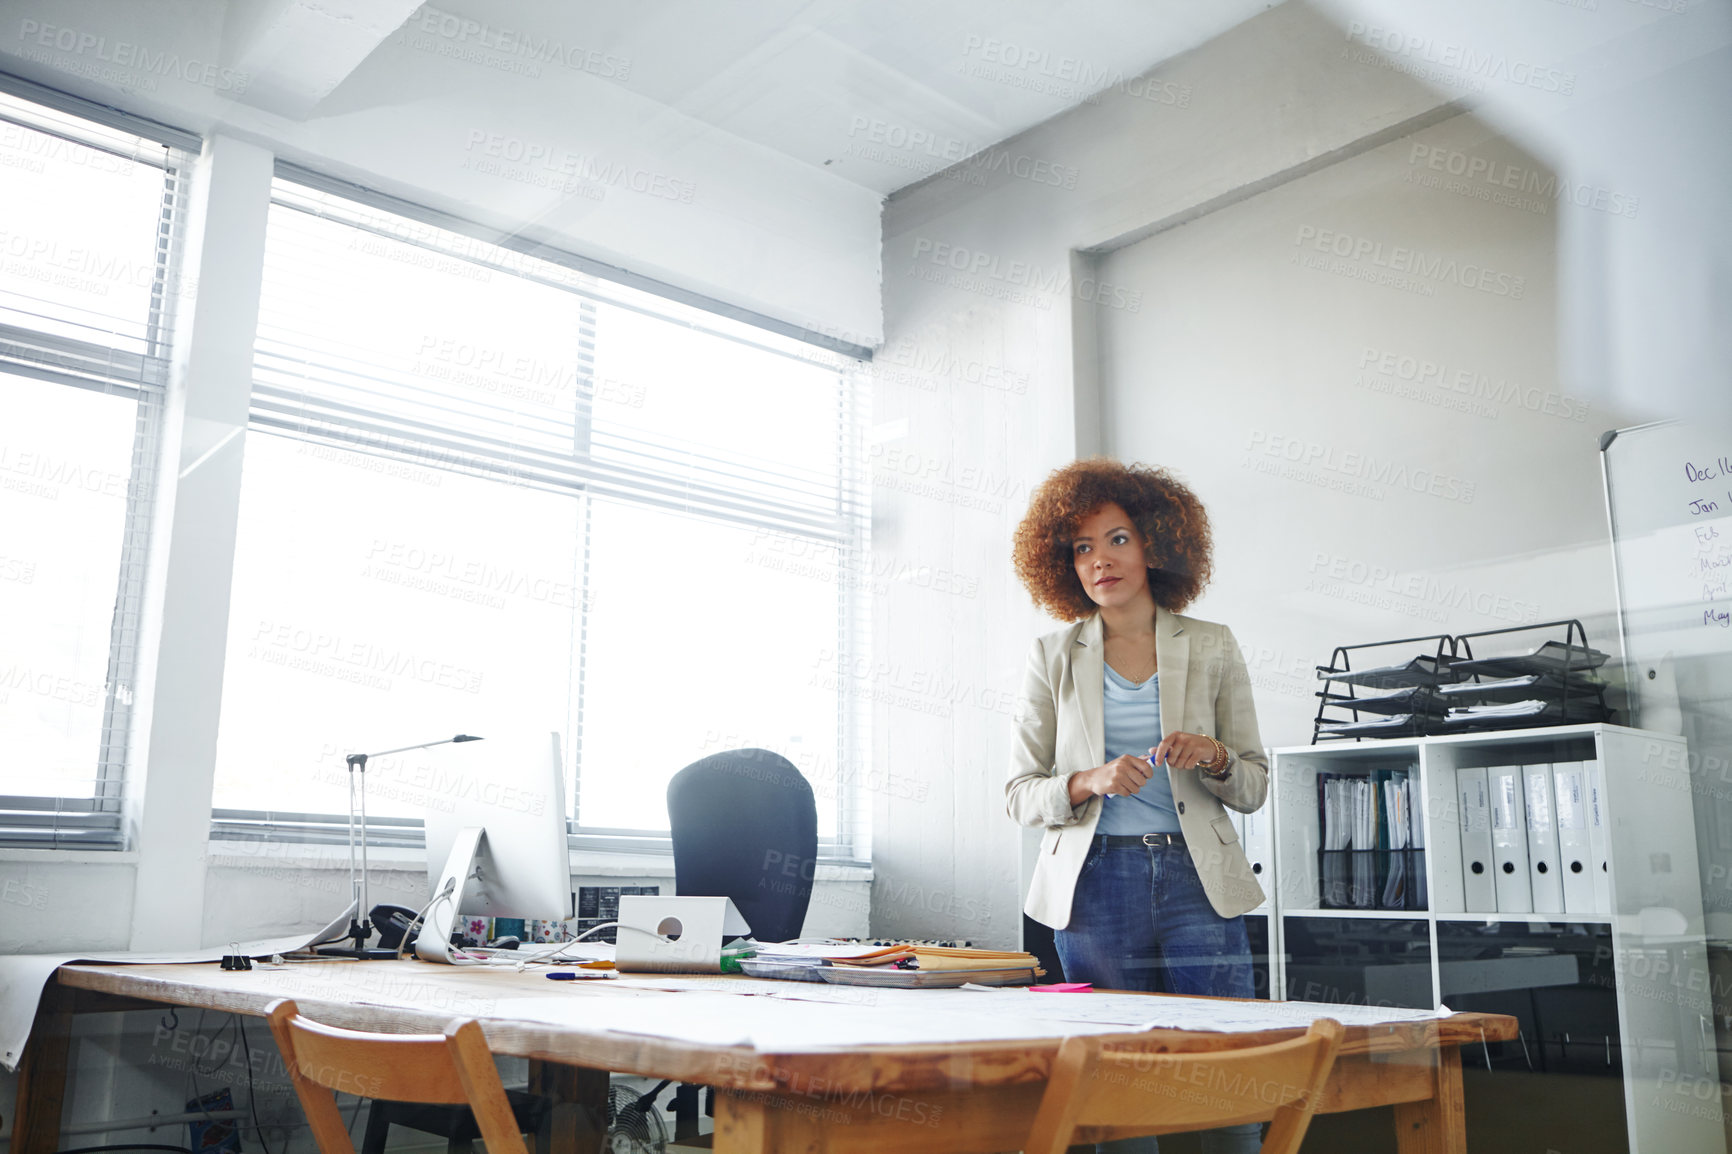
1098, 1093
453, 1068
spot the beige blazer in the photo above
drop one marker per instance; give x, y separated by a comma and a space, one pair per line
1204, 689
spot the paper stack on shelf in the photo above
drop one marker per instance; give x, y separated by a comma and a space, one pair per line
1412, 699
1450, 691
1338, 825
1524, 708
1371, 840
1524, 712
1552, 684
1422, 670
1393, 725
1552, 657
1520, 687
1401, 819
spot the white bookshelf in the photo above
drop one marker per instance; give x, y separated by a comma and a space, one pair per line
1654, 928
1256, 836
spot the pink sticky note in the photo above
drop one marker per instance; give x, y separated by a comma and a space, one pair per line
1062, 988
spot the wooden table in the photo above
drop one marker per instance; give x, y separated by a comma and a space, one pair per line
972, 1097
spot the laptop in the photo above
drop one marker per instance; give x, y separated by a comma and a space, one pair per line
674, 935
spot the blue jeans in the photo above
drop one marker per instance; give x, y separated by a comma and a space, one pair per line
1141, 921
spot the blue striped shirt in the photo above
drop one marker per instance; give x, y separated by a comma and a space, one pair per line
1132, 717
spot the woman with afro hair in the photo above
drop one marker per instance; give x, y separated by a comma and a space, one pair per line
1136, 734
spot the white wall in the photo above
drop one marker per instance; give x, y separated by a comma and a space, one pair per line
979, 287
1629, 99
1385, 453
1008, 285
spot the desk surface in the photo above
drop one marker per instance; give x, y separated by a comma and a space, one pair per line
583, 1022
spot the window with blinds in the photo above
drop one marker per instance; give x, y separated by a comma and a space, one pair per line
88, 290
488, 491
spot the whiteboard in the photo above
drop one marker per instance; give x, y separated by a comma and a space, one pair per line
1669, 500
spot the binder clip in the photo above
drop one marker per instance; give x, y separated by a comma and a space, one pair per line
237, 960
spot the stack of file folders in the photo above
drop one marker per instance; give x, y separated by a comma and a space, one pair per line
923, 965
923, 957
801, 961
1535, 839
1403, 698
1371, 843
902, 964
1554, 684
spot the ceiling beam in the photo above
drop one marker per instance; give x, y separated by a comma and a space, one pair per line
294, 53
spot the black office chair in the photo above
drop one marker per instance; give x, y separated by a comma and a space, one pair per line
745, 826
456, 1124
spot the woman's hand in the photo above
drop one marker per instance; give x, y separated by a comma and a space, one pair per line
1184, 751
1122, 776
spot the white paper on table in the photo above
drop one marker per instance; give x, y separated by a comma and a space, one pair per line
924, 1017
574, 952
916, 1025
754, 987
817, 949
804, 1030
770, 1015
778, 1025
1238, 1017
700, 1018
23, 977
1125, 1011
838, 995
701, 983
1120, 1011
1138, 1011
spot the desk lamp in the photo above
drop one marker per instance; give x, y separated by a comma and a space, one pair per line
360, 923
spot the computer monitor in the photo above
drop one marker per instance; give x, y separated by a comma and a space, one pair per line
496, 841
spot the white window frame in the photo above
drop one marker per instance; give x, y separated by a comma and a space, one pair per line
454, 237
29, 821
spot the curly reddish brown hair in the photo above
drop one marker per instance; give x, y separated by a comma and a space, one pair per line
1164, 511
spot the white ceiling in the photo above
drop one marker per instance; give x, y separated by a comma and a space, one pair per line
750, 142
816, 80
878, 92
